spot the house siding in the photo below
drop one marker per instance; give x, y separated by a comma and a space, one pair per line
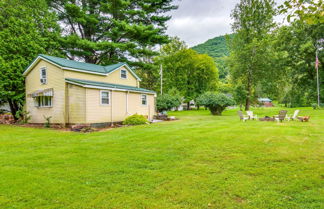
55, 80
135, 105
117, 110
76, 104
113, 77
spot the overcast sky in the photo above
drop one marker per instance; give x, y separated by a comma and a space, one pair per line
196, 21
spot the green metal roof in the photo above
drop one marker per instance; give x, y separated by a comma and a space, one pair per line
81, 65
107, 85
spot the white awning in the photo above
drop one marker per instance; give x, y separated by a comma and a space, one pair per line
43, 92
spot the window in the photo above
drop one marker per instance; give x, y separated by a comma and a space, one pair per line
44, 101
144, 99
123, 74
43, 75
104, 97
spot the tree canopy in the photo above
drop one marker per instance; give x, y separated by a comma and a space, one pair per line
27, 29
104, 32
189, 72
250, 59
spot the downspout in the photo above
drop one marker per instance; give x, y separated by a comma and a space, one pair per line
127, 102
111, 109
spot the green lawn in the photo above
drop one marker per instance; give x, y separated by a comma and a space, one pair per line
199, 161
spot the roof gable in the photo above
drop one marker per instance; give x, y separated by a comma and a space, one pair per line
79, 66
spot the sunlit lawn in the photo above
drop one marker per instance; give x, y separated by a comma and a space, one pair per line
199, 161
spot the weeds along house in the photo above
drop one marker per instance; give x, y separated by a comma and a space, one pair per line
75, 92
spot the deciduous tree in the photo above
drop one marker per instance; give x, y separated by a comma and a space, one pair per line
26, 30
249, 58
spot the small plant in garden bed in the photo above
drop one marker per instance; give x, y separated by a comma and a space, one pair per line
23, 116
47, 124
135, 120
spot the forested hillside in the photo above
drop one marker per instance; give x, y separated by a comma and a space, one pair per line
216, 48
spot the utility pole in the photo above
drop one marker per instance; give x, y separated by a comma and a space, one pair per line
319, 47
161, 75
318, 87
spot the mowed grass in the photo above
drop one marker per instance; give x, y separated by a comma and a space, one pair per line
199, 161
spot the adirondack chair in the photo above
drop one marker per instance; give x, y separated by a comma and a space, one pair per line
251, 116
242, 117
281, 116
294, 116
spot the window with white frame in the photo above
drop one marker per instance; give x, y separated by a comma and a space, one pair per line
104, 97
144, 99
123, 74
43, 75
44, 101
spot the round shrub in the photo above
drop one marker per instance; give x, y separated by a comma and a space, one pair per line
167, 102
215, 102
135, 120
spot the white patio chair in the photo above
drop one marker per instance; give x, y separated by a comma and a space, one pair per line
294, 116
251, 116
242, 117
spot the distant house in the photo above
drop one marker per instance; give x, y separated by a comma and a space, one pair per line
266, 102
76, 92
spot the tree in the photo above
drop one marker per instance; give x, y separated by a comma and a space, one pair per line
296, 44
26, 30
250, 56
308, 11
186, 70
104, 32
239, 95
167, 102
215, 102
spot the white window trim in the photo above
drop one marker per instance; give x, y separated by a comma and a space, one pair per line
121, 73
100, 96
146, 100
40, 74
48, 106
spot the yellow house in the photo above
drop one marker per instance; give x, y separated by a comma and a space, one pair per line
74, 92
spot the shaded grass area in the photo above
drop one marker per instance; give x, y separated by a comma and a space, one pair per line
199, 161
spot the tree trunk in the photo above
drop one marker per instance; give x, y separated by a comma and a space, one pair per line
188, 105
216, 110
13, 108
198, 107
248, 98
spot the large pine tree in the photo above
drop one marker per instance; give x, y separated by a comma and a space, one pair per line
109, 31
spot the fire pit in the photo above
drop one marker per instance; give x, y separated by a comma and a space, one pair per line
267, 118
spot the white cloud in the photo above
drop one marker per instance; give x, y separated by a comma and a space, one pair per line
196, 21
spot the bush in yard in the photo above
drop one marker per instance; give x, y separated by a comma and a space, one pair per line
167, 102
215, 102
23, 116
135, 120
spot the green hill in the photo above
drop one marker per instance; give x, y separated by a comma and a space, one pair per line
216, 48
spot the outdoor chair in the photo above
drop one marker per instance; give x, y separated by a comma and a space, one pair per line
242, 117
251, 116
281, 116
293, 117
